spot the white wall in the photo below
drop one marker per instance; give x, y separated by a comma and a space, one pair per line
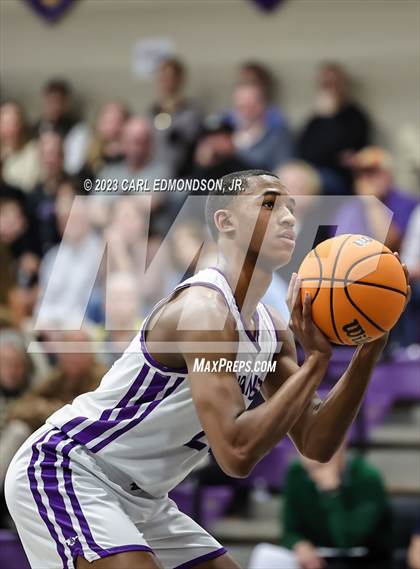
379, 41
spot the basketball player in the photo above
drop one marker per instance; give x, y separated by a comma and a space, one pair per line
89, 489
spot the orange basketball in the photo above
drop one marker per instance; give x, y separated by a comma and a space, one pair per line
357, 286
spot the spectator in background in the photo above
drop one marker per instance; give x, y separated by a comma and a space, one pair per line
176, 120
335, 515
215, 154
258, 142
19, 238
56, 113
413, 554
337, 128
76, 373
15, 371
42, 199
106, 146
122, 315
187, 255
16, 230
214, 157
15, 379
410, 255
139, 158
19, 154
69, 270
140, 163
131, 249
373, 177
258, 74
410, 251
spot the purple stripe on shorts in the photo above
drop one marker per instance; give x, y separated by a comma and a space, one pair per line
206, 557
55, 499
99, 428
124, 548
38, 500
135, 386
135, 422
77, 509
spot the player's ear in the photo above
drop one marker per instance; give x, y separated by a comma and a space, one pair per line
224, 221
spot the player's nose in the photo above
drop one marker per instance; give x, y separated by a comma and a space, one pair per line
286, 217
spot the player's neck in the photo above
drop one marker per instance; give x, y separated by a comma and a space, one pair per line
248, 281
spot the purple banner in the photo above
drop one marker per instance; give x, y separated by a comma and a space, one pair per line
50, 10
268, 5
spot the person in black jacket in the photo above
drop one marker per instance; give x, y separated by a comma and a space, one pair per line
337, 128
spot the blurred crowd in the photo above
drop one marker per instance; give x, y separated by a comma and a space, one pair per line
73, 261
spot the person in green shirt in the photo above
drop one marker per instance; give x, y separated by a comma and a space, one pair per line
336, 514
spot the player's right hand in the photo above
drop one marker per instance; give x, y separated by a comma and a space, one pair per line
309, 335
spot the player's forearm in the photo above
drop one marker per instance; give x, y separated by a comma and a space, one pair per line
260, 429
332, 419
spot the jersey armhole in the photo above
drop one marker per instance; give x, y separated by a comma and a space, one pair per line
160, 304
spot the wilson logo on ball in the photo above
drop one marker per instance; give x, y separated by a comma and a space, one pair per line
362, 241
355, 332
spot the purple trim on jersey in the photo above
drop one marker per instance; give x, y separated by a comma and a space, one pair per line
206, 557
277, 333
253, 337
77, 509
99, 428
38, 500
155, 363
195, 443
135, 386
124, 548
72, 424
55, 499
99, 446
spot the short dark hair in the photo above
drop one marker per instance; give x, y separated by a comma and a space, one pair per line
220, 198
176, 64
57, 85
262, 75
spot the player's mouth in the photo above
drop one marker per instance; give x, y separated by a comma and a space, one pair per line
287, 235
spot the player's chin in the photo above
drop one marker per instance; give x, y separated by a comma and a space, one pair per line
283, 253
277, 258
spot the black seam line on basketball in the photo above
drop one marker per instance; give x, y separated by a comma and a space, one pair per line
364, 259
361, 311
365, 283
332, 287
317, 257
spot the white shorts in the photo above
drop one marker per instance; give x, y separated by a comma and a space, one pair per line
64, 506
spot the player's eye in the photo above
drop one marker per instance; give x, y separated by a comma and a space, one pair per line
269, 204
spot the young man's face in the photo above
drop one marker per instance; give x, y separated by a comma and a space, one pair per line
267, 208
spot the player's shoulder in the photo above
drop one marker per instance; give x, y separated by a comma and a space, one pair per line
284, 334
200, 308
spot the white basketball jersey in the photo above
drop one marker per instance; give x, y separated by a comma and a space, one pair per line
141, 422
